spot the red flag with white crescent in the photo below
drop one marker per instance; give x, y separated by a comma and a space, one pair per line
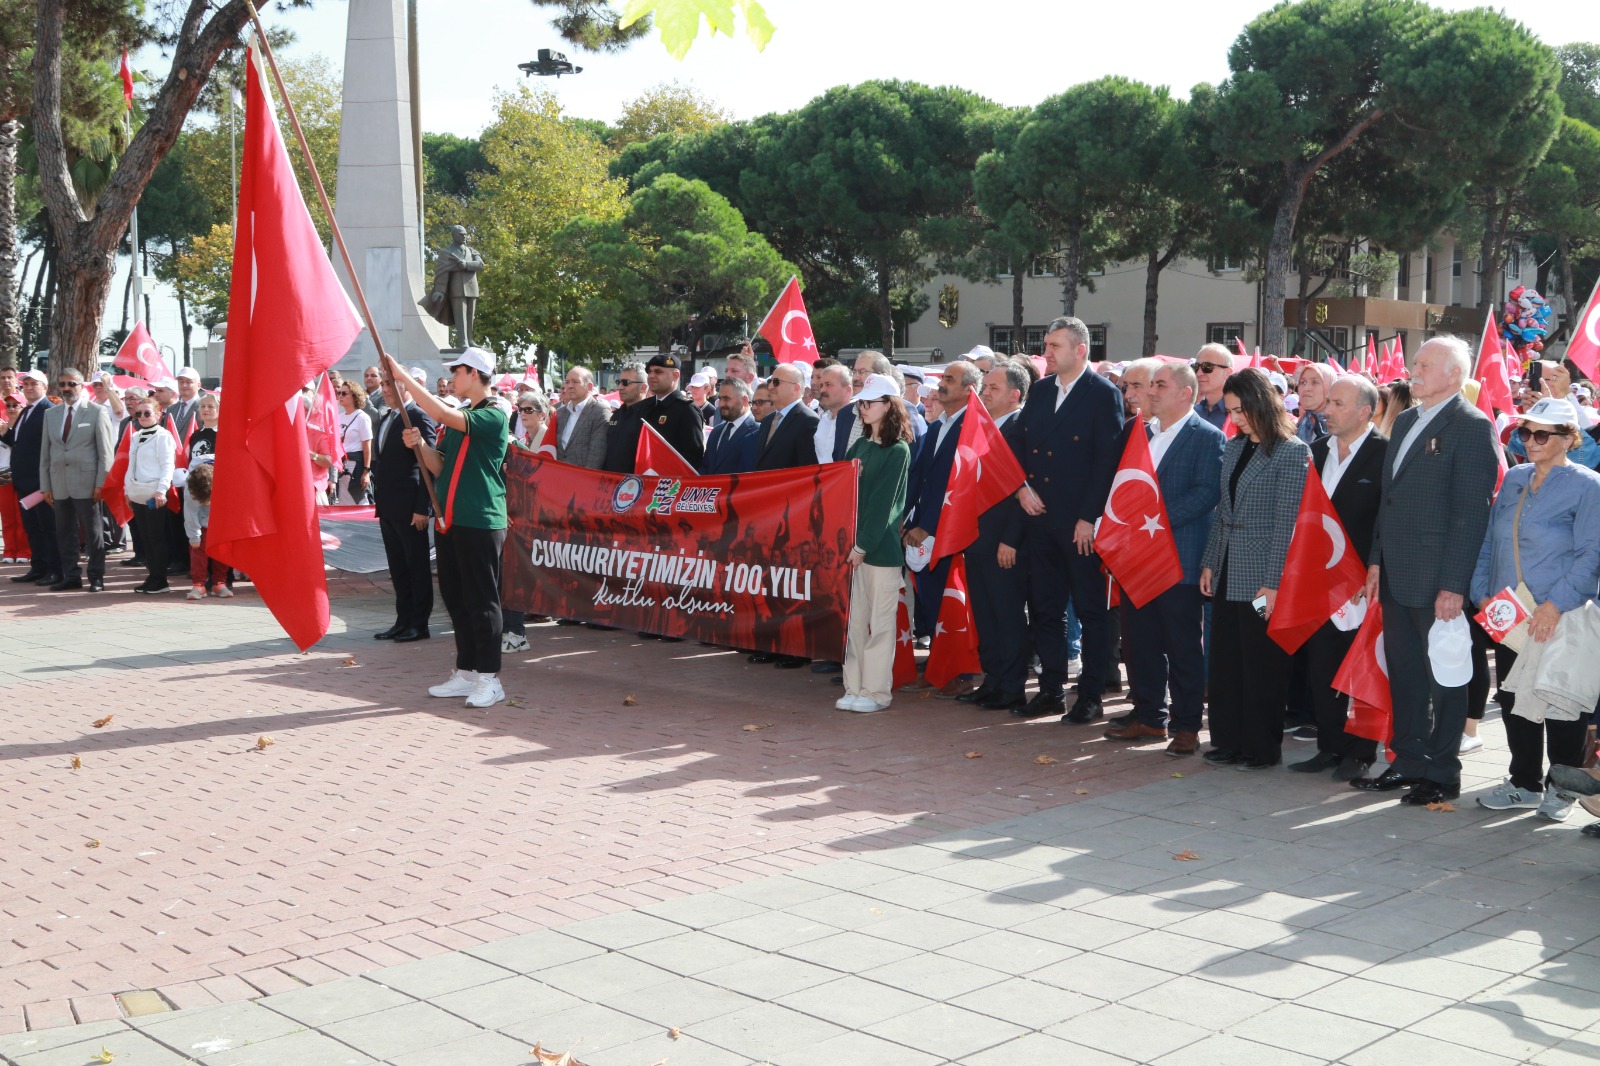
788, 328
1371, 364
1364, 677
1321, 572
1584, 347
984, 472
139, 356
552, 435
654, 457
127, 82
954, 650
1494, 385
905, 654
1134, 536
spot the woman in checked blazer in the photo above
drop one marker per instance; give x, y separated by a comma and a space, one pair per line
1263, 476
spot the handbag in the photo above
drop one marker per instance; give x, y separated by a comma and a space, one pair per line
1517, 637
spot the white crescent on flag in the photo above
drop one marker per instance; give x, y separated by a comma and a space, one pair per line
1335, 534
1592, 323
1122, 478
783, 329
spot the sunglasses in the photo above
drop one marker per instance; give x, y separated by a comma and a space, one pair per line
623, 383
67, 384
145, 414
529, 410
760, 403
1539, 436
1210, 368
343, 392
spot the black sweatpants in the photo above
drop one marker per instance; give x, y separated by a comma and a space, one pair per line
1532, 742
469, 584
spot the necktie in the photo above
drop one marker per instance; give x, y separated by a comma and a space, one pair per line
777, 416
66, 424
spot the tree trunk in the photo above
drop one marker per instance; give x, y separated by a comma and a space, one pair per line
82, 286
1492, 249
1072, 269
1019, 275
1574, 308
1280, 255
1152, 291
10, 325
885, 311
183, 323
30, 320
47, 306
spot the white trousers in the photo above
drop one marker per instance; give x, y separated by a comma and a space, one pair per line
869, 643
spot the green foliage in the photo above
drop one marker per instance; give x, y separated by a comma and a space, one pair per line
452, 164
668, 109
679, 20
594, 25
1580, 81
204, 269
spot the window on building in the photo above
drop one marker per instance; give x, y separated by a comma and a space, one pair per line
1000, 339
1223, 264
1097, 343
1033, 339
1002, 266
1402, 278
1513, 262
1455, 264
1427, 280
1044, 267
1225, 334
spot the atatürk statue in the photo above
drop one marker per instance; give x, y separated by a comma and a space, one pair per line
454, 298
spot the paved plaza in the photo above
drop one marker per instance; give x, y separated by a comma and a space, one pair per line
273, 858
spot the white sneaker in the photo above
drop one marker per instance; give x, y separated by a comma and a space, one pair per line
222, 592
196, 593
1469, 745
513, 642
486, 692
459, 683
867, 705
1557, 804
1508, 797
846, 703
1074, 666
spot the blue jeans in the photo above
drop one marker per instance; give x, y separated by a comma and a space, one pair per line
1074, 634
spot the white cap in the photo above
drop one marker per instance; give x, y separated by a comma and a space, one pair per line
418, 374
702, 379
476, 358
1279, 382
805, 372
164, 383
34, 375
190, 373
979, 349
1450, 651
877, 387
1551, 411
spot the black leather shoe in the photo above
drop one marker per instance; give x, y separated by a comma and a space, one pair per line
1426, 792
1005, 701
67, 583
46, 580
789, 662
978, 695
761, 658
1388, 781
826, 667
1256, 764
1351, 768
135, 561
408, 635
1042, 705
1084, 710
1121, 719
390, 633
96, 585
1319, 762
1221, 757
31, 575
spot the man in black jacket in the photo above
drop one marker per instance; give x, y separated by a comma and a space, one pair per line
403, 510
670, 412
788, 434
622, 435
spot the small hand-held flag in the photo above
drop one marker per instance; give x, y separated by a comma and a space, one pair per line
1584, 347
289, 321
954, 650
654, 457
1321, 572
1364, 677
1494, 385
905, 655
788, 328
1134, 537
139, 356
983, 472
127, 82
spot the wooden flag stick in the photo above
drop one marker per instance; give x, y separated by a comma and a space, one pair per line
338, 240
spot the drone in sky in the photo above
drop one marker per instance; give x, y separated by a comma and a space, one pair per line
549, 64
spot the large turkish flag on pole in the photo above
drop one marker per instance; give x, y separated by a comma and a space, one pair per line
139, 356
788, 328
984, 472
1494, 386
1321, 572
654, 457
288, 321
1584, 347
1134, 537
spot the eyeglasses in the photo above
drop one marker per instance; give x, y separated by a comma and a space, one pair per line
623, 383
67, 384
344, 392
529, 410
760, 403
1539, 436
1211, 368
145, 414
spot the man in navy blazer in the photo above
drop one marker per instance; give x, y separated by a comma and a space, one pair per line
788, 434
1070, 428
25, 438
1164, 639
926, 483
731, 449
402, 506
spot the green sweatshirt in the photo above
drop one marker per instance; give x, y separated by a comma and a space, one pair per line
881, 499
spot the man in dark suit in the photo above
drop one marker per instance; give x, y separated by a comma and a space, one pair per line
622, 433
731, 449
1164, 636
403, 510
1438, 484
26, 440
836, 412
926, 483
996, 570
670, 412
1070, 427
788, 434
1350, 462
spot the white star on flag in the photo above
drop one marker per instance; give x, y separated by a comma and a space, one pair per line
1152, 525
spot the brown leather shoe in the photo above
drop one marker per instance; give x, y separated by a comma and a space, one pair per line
955, 688
1135, 731
1184, 744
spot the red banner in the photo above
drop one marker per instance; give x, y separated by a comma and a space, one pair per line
758, 562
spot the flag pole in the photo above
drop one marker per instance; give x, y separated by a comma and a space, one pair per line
338, 239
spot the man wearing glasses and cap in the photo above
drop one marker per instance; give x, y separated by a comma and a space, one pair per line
1212, 365
73, 461
670, 413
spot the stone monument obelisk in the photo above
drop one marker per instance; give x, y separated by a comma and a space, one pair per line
377, 199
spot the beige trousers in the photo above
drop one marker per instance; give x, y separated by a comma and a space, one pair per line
869, 641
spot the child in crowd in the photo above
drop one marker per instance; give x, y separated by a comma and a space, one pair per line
207, 574
151, 455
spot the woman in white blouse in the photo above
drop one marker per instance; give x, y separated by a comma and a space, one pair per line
355, 434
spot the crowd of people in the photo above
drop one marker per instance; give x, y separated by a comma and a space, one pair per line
1415, 472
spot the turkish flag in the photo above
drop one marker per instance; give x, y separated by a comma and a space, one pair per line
127, 82
955, 638
656, 458
322, 432
1229, 430
1371, 364
1584, 347
288, 321
985, 471
113, 491
1244, 356
1494, 385
1364, 677
1136, 545
1321, 572
788, 327
139, 356
905, 654
552, 434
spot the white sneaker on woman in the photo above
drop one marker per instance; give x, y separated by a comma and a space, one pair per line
513, 642
459, 683
1557, 804
867, 705
486, 692
1469, 745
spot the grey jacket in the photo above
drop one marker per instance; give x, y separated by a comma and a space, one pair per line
1435, 510
75, 469
587, 445
1253, 527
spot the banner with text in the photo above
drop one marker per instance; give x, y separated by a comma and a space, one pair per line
758, 562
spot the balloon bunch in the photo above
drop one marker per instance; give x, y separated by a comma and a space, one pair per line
1524, 322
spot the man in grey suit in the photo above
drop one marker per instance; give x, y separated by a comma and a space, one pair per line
73, 460
581, 425
1438, 484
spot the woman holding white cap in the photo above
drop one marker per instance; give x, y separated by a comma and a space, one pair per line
1543, 541
884, 449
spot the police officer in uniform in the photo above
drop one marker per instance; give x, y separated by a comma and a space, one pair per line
671, 412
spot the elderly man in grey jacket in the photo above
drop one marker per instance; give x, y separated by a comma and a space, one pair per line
73, 460
581, 423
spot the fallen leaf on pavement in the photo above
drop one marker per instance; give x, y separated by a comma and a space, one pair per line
674, 1033
350, 660
516, 701
1177, 775
1186, 856
1080, 792
77, 763
630, 700
550, 1058
104, 1055
1045, 760
92, 844
1441, 805
754, 728
974, 754
101, 723
1529, 862
263, 743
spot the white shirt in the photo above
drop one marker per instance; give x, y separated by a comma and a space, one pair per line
1333, 467
827, 430
1163, 439
568, 421
354, 429
1062, 390
1418, 428
939, 425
